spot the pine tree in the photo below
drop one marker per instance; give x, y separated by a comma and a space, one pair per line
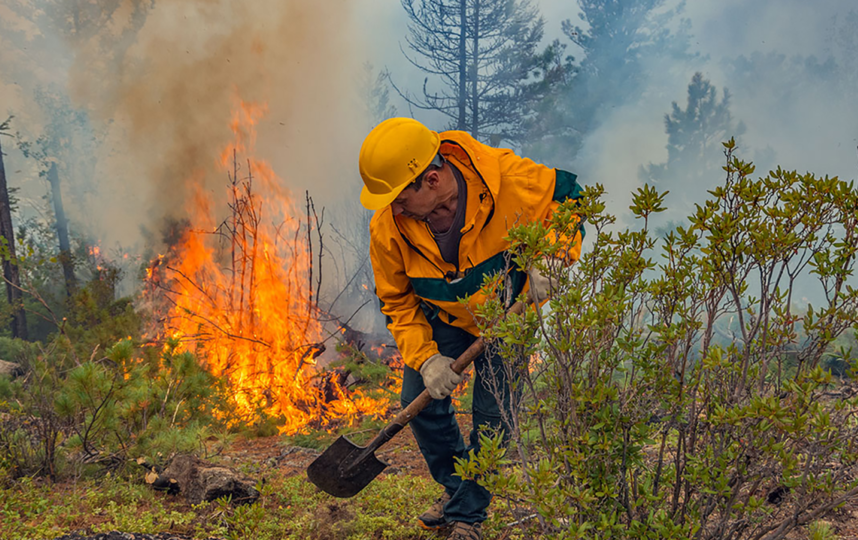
694, 151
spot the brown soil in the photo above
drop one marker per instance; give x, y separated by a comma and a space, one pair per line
403, 456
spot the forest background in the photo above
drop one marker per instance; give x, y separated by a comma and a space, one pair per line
124, 115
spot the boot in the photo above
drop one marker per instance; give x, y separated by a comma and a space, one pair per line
433, 518
466, 531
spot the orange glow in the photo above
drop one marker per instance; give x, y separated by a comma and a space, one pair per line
241, 297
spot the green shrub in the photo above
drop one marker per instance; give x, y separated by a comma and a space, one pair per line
820, 530
94, 319
17, 350
31, 431
99, 413
680, 390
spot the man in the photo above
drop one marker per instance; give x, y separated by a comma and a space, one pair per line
444, 204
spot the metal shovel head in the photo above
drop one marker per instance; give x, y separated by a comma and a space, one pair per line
342, 471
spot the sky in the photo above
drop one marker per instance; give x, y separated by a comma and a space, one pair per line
159, 103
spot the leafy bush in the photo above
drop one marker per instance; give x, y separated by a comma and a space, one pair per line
684, 396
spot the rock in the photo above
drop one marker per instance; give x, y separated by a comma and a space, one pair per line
10, 369
199, 481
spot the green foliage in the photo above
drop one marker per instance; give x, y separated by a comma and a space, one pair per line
820, 530
33, 510
95, 415
640, 416
354, 361
30, 429
17, 350
95, 318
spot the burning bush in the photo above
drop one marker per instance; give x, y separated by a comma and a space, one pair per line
240, 294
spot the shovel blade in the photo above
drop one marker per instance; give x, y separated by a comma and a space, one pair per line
342, 470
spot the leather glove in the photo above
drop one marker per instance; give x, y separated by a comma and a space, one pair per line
438, 377
542, 285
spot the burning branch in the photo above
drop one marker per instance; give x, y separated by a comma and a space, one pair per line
311, 207
244, 295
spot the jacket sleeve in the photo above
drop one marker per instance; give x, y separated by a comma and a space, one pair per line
541, 190
407, 322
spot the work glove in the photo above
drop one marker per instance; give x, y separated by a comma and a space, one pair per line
543, 285
438, 377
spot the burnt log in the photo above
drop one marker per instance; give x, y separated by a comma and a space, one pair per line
198, 481
331, 382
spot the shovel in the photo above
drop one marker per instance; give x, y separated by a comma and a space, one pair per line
346, 468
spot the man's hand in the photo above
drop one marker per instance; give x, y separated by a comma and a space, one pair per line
542, 285
438, 377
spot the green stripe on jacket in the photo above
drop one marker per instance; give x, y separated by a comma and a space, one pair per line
566, 187
440, 290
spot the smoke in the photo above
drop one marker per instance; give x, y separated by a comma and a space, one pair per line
790, 69
159, 81
166, 103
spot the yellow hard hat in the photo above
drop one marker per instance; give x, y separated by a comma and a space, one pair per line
393, 154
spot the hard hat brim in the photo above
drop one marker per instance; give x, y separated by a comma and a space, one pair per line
377, 201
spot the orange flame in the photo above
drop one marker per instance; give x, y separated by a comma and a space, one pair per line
241, 297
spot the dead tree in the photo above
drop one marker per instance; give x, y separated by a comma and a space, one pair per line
482, 55
62, 226
10, 264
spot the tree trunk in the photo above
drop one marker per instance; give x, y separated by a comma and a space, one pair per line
10, 263
62, 231
475, 98
463, 64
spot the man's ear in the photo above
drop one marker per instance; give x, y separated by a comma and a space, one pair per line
433, 178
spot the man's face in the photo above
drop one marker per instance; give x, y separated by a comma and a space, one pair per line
416, 204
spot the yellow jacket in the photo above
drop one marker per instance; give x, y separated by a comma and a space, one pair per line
503, 190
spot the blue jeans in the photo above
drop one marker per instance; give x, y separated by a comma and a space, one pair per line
437, 431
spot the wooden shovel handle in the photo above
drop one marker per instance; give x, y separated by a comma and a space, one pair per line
459, 365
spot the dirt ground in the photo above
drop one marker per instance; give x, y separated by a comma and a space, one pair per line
403, 456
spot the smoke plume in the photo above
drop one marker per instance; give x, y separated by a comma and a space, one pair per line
166, 102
